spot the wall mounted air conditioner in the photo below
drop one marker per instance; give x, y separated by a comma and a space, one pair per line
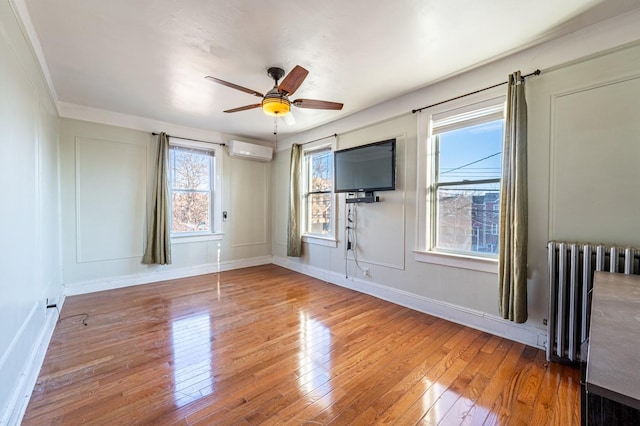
250, 151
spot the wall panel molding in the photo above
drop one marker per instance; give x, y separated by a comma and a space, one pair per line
111, 191
250, 180
22, 390
592, 148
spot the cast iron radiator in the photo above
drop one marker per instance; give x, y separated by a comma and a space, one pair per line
571, 268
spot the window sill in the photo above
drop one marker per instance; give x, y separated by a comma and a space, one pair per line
481, 264
196, 238
321, 241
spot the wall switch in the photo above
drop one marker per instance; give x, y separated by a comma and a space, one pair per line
224, 216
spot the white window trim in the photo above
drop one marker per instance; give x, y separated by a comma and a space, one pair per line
455, 260
320, 241
216, 214
425, 173
317, 239
182, 239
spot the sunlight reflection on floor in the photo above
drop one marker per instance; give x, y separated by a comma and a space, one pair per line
192, 369
314, 358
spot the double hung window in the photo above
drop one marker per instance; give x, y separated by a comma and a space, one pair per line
317, 204
192, 190
464, 183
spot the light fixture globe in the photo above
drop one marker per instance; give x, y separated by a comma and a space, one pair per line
275, 103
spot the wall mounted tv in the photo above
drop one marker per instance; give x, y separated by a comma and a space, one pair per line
366, 168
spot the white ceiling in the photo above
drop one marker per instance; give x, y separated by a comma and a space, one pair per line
148, 58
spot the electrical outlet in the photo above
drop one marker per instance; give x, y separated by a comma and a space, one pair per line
366, 272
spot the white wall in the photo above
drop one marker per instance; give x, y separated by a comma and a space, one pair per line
584, 144
30, 272
106, 179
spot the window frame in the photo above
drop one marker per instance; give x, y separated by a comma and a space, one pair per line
425, 250
215, 198
328, 239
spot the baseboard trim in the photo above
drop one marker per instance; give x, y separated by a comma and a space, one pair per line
525, 334
111, 283
27, 381
522, 333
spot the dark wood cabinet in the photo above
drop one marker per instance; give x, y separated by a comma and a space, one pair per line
604, 411
611, 374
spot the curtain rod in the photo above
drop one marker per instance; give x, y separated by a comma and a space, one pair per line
335, 135
190, 139
536, 72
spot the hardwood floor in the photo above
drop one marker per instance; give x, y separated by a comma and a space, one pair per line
266, 345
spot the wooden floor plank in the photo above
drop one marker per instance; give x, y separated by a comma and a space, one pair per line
269, 346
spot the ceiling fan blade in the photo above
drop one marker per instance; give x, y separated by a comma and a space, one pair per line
234, 86
288, 119
293, 80
244, 108
316, 104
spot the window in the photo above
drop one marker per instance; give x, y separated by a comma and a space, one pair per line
192, 190
464, 185
318, 193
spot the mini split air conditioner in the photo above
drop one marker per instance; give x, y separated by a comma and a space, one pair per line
250, 151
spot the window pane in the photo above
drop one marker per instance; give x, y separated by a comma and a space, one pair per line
189, 169
321, 171
318, 178
468, 218
471, 153
190, 211
319, 218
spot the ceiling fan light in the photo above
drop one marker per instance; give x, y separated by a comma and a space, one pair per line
276, 105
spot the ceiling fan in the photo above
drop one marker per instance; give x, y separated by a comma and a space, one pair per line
276, 102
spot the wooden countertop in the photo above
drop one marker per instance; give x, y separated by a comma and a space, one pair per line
613, 364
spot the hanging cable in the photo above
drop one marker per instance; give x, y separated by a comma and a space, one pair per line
275, 130
355, 237
347, 246
352, 236
347, 239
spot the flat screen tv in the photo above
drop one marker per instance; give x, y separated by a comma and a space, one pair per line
366, 168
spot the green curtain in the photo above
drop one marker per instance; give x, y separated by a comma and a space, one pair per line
294, 240
158, 249
513, 206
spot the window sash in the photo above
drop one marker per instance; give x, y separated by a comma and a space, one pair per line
466, 182
483, 112
200, 151
204, 191
472, 232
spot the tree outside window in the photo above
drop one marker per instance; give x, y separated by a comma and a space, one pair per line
190, 172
